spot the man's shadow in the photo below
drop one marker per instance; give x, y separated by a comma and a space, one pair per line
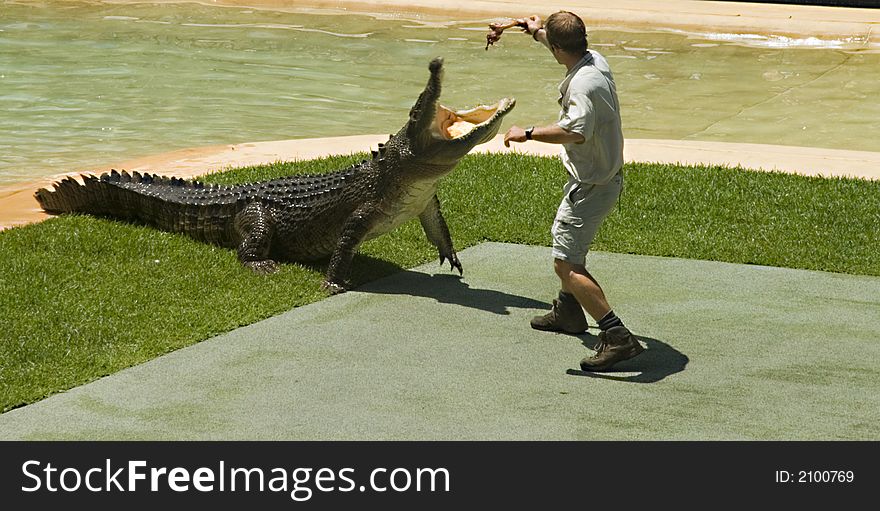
658, 361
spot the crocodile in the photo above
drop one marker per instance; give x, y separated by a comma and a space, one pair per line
305, 218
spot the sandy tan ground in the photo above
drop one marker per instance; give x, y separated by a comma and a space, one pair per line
18, 207
682, 14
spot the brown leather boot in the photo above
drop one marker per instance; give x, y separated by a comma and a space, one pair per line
565, 316
615, 345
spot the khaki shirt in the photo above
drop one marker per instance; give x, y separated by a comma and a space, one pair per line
588, 97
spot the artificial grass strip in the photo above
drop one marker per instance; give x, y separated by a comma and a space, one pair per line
85, 297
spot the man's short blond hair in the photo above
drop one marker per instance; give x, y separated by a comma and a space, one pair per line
566, 30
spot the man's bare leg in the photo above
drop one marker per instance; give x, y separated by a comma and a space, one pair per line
616, 342
575, 279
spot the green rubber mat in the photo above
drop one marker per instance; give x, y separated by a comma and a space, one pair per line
733, 352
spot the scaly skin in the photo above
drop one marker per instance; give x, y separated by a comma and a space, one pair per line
304, 217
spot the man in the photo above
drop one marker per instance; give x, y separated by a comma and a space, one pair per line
589, 130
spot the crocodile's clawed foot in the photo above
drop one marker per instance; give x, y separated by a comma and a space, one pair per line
454, 263
332, 287
264, 267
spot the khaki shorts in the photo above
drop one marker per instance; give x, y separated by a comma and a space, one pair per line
583, 208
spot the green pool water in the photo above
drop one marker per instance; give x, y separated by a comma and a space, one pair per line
86, 83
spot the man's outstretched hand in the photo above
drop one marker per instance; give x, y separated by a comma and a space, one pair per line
533, 24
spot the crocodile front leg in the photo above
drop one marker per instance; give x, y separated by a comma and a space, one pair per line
438, 233
355, 230
254, 226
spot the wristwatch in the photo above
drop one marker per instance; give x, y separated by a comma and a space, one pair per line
529, 131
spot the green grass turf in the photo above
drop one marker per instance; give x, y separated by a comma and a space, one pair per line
85, 297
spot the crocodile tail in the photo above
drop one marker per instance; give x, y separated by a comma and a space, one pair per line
170, 204
68, 196
109, 195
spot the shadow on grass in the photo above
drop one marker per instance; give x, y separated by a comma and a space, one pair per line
658, 361
450, 288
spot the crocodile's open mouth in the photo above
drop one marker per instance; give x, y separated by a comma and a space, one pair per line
456, 124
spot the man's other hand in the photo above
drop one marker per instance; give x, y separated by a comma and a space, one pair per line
514, 134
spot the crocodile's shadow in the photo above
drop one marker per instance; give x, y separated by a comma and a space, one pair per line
658, 361
449, 288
